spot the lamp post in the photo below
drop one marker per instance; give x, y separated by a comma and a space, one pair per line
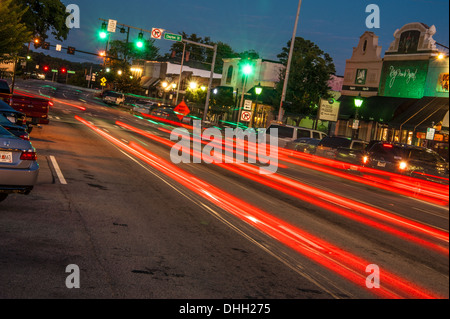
358, 103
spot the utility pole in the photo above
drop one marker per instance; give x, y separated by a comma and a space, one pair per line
286, 78
181, 73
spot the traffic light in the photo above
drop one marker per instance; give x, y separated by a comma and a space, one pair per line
45, 45
103, 32
70, 50
140, 41
45, 68
63, 70
247, 69
37, 43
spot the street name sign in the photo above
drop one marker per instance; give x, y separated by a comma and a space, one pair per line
172, 37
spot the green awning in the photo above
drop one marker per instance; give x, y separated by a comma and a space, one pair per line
422, 114
376, 108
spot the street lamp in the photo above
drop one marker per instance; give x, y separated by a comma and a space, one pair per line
358, 103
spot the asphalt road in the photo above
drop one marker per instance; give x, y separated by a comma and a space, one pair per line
135, 232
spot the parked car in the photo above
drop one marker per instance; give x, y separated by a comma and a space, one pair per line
13, 115
115, 98
289, 133
407, 159
341, 148
144, 106
17, 130
165, 113
36, 109
304, 144
18, 165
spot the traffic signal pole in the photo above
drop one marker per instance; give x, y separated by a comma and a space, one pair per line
286, 78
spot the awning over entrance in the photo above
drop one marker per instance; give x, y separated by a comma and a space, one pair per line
423, 114
148, 82
380, 109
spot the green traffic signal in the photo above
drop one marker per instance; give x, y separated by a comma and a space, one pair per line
140, 41
247, 69
103, 32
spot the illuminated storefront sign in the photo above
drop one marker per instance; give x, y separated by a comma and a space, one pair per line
404, 79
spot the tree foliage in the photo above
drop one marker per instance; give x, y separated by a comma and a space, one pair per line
310, 72
45, 16
128, 51
200, 53
13, 33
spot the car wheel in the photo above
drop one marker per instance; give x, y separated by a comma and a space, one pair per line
3, 196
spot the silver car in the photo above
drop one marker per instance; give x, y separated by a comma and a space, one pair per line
18, 165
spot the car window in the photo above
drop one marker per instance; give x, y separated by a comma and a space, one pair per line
303, 133
335, 142
4, 87
358, 146
316, 135
424, 155
283, 131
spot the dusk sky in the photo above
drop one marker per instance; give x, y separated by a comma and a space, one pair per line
261, 25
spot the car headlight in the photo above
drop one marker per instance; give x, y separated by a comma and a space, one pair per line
365, 159
403, 165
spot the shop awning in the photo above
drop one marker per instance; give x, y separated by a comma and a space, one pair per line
423, 114
380, 109
147, 83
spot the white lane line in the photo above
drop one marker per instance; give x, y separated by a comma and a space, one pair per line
58, 171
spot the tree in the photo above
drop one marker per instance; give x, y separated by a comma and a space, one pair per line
43, 16
128, 51
200, 53
310, 72
13, 33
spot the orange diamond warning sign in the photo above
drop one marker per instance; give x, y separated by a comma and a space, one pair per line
182, 110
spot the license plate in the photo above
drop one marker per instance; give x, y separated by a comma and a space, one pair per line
5, 157
381, 164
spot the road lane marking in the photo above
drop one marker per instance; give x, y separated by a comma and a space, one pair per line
57, 170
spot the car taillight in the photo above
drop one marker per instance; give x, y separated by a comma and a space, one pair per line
28, 156
50, 103
388, 145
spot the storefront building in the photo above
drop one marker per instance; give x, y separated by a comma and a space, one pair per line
412, 95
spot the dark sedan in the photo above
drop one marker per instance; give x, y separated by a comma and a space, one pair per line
408, 159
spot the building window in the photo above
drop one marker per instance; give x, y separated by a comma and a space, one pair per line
229, 74
361, 76
365, 46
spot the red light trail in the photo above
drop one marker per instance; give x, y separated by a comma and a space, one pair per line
333, 258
